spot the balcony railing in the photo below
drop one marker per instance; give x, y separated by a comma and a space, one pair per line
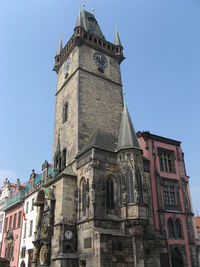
13, 200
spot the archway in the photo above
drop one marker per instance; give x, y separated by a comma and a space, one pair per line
177, 259
22, 264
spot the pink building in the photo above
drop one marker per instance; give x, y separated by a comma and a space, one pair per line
171, 197
13, 208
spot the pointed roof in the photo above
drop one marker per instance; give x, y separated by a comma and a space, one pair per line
100, 139
127, 136
88, 21
60, 47
79, 22
117, 39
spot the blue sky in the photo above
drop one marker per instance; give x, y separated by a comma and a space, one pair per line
161, 74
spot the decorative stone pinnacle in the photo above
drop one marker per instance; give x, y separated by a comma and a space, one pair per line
83, 4
124, 93
93, 11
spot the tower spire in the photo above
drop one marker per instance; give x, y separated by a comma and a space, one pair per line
79, 22
117, 39
127, 136
60, 46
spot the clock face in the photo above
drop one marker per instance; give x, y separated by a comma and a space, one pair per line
100, 60
67, 66
68, 234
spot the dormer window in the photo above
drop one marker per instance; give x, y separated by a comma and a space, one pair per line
92, 20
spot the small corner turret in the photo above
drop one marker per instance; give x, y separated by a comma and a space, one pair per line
58, 53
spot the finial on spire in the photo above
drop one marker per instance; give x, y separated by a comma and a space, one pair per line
117, 39
124, 94
93, 10
60, 47
83, 4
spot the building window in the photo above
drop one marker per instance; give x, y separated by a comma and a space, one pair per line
83, 197
166, 160
31, 228
19, 219
109, 194
170, 226
23, 252
64, 155
15, 220
6, 225
139, 186
65, 112
10, 222
129, 186
9, 252
24, 230
179, 232
32, 203
27, 203
170, 195
146, 165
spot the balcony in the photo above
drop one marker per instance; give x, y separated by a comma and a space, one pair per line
14, 200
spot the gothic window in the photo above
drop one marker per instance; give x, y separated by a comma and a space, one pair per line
129, 186
109, 194
65, 112
170, 195
83, 197
139, 186
178, 229
166, 158
170, 226
146, 165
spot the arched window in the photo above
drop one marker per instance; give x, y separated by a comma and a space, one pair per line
179, 229
109, 194
65, 112
83, 197
129, 186
139, 186
170, 226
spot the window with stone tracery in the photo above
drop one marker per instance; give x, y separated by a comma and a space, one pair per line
109, 194
139, 186
129, 186
170, 226
83, 197
166, 158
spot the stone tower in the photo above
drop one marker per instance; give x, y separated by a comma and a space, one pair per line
89, 87
96, 208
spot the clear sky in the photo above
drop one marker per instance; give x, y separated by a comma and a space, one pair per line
161, 74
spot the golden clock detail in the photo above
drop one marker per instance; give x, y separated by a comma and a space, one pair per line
43, 252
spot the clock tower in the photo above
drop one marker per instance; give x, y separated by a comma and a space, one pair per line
96, 207
89, 87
